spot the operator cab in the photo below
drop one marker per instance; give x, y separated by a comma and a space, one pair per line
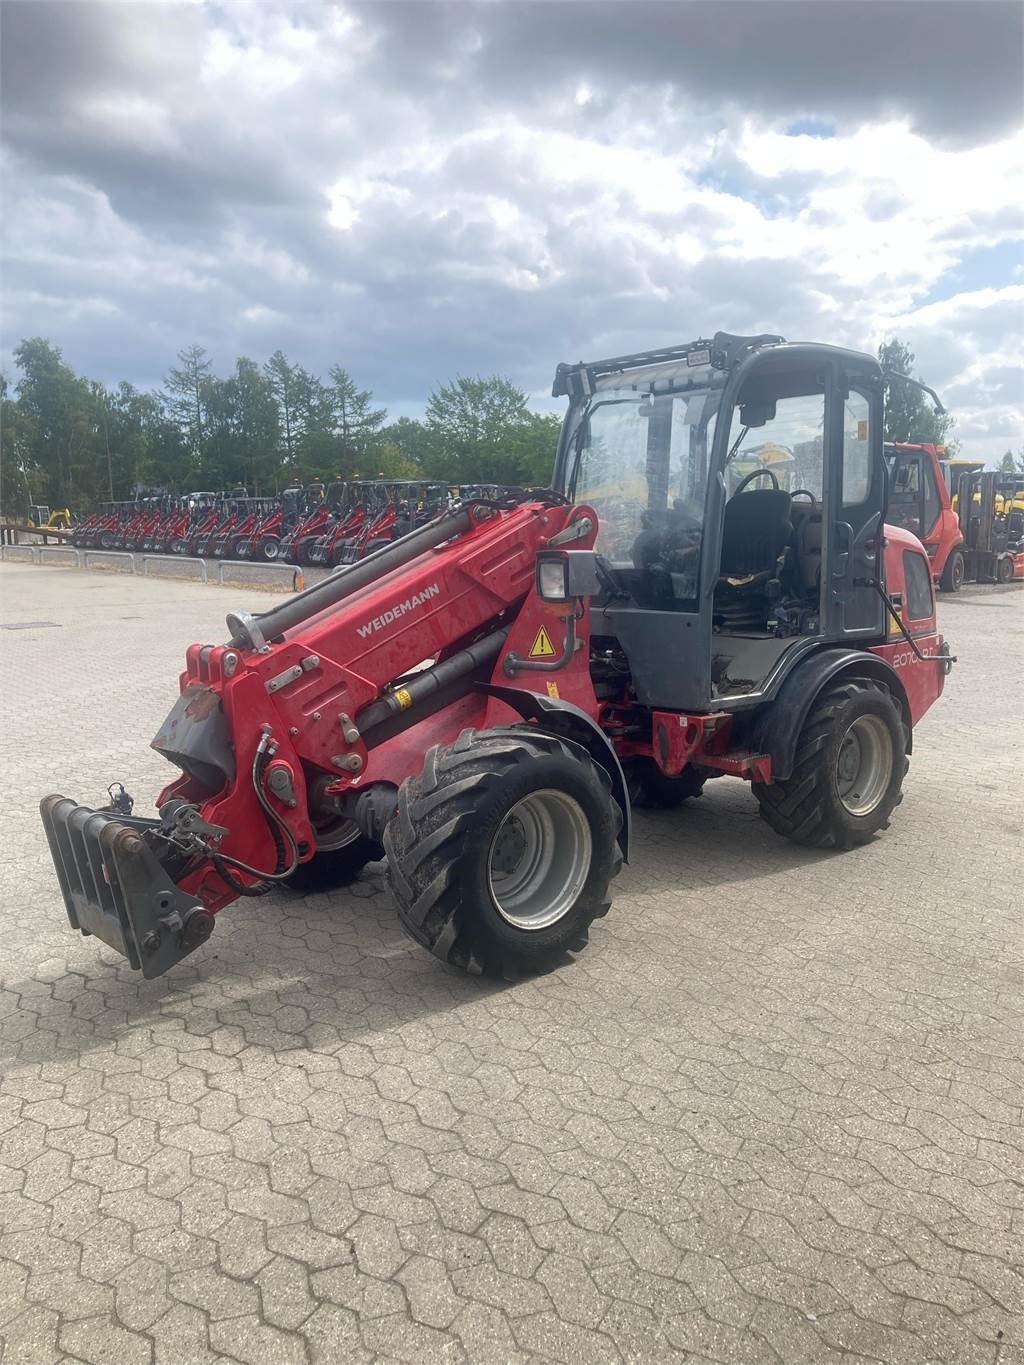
740, 489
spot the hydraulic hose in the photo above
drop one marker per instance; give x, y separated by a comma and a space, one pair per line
221, 861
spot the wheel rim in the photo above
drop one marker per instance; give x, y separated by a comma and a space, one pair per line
864, 765
337, 835
958, 571
332, 831
539, 859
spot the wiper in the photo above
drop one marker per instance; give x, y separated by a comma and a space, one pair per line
736, 444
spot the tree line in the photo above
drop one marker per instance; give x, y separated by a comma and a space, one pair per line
70, 441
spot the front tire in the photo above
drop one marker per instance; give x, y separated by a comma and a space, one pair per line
268, 550
848, 773
502, 849
1004, 570
953, 574
302, 551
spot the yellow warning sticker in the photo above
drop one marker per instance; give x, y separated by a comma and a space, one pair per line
404, 698
542, 648
552, 689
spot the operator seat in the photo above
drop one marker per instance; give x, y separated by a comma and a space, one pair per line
756, 531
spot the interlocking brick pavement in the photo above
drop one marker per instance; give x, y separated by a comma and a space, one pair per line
773, 1114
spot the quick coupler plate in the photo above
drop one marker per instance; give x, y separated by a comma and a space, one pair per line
115, 887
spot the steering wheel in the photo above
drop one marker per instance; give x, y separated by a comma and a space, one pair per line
756, 474
806, 493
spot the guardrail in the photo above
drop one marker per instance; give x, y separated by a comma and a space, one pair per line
58, 550
176, 559
226, 568
110, 554
294, 574
5, 551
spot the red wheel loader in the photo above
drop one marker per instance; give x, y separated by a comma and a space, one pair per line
481, 701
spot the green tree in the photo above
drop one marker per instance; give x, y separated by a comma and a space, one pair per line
909, 415
257, 423
481, 431
162, 453
60, 453
17, 445
412, 439
186, 395
385, 459
1012, 464
317, 452
243, 430
536, 444
356, 421
307, 445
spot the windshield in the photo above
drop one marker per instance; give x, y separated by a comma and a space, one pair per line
642, 460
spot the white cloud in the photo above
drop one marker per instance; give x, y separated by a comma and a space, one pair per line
224, 174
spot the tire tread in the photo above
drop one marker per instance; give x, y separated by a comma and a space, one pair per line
423, 841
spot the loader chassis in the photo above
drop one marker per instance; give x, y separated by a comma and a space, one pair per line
480, 701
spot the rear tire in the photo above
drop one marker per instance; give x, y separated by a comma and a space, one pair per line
502, 849
651, 789
268, 550
953, 574
848, 773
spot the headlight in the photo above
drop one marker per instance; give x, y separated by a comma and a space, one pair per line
553, 579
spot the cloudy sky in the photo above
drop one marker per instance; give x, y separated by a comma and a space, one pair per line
421, 189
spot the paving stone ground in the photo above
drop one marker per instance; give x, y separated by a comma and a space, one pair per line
772, 1115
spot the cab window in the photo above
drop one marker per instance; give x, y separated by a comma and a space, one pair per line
918, 575
782, 451
932, 504
856, 449
905, 494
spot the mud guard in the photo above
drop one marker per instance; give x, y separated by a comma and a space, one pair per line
571, 722
777, 728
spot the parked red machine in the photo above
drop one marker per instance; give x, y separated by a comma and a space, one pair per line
349, 515
480, 701
920, 501
264, 541
309, 525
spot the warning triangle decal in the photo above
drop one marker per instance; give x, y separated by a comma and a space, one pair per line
542, 648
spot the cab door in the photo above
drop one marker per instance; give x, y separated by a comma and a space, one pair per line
856, 496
